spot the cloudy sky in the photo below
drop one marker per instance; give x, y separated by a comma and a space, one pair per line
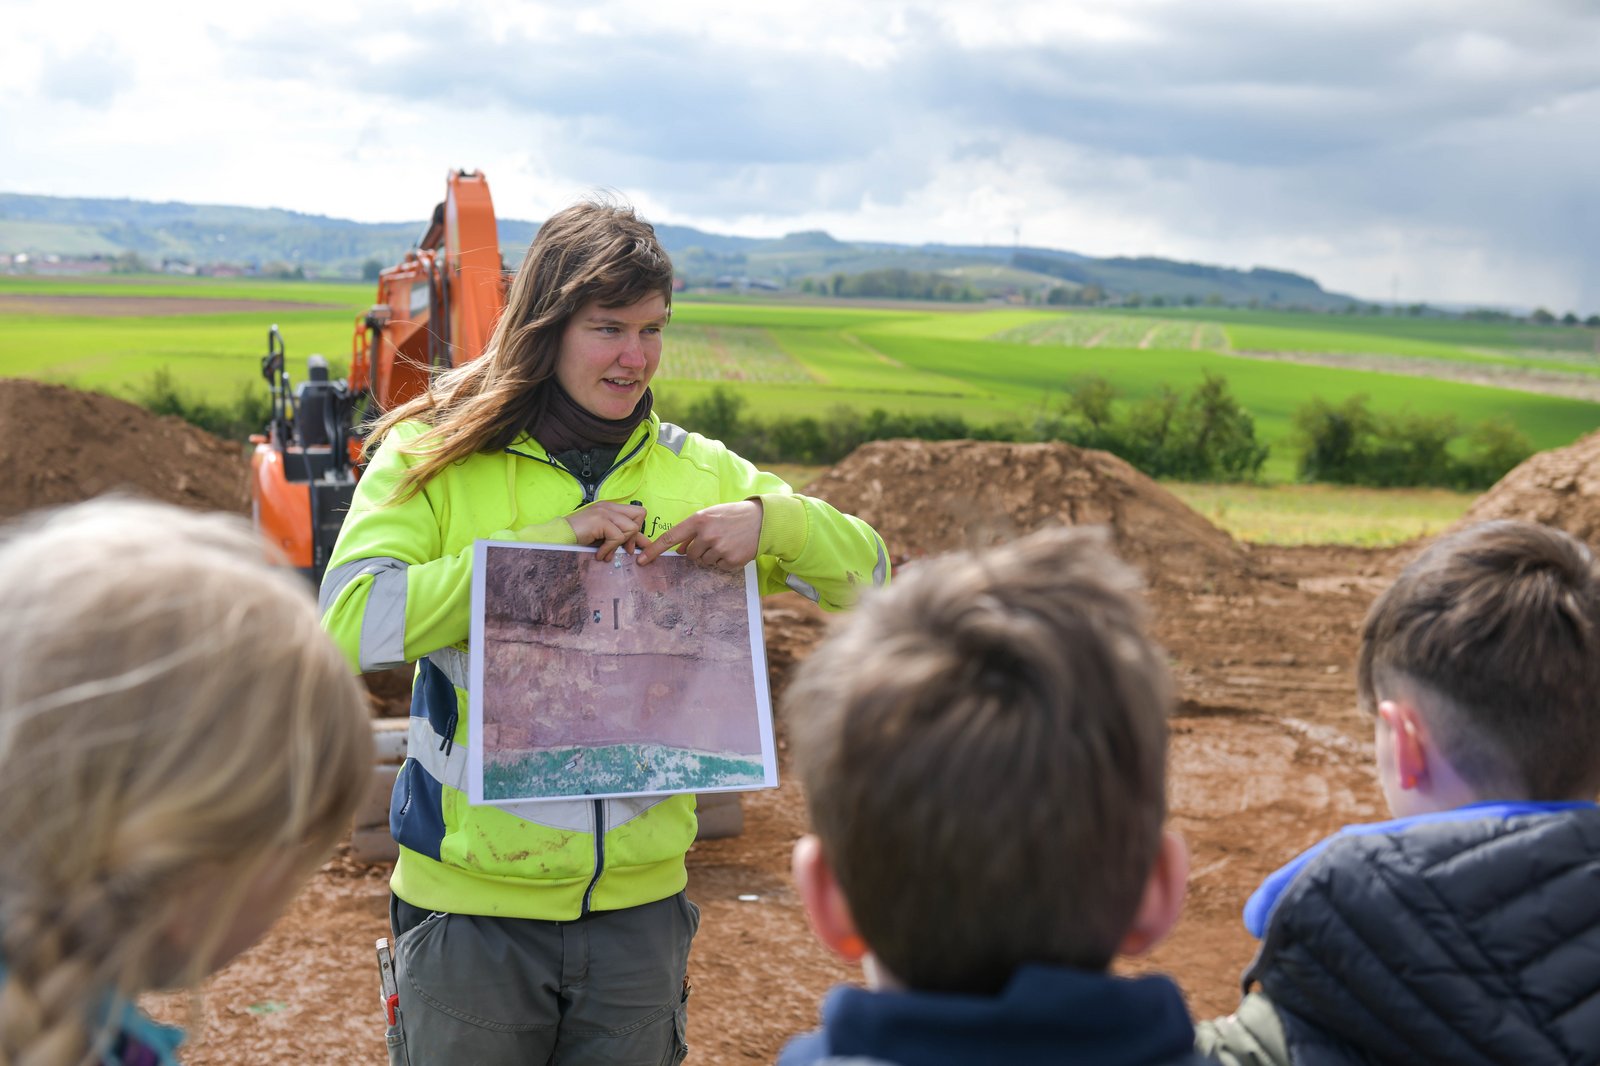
1445, 150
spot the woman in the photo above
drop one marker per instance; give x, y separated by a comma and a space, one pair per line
522, 928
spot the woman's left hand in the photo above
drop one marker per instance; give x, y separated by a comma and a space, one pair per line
723, 537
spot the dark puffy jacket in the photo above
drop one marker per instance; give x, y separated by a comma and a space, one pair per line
1459, 942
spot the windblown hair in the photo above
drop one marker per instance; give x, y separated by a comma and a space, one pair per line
983, 747
171, 715
591, 251
1495, 633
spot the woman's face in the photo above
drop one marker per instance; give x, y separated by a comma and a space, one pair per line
609, 354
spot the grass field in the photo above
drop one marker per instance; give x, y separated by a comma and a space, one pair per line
1325, 514
214, 354
789, 358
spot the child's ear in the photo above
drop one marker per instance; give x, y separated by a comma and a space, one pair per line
1408, 742
1163, 897
826, 908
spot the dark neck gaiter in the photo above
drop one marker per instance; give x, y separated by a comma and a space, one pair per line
564, 426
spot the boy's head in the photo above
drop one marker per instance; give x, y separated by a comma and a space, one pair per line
1481, 664
983, 748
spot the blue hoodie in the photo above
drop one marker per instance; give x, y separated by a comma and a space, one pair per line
1046, 1014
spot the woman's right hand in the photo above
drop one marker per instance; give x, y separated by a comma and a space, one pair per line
608, 526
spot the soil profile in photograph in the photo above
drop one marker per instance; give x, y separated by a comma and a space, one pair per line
608, 678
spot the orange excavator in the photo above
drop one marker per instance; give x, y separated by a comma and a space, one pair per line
435, 310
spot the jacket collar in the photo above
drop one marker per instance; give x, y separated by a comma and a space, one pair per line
1046, 1014
649, 429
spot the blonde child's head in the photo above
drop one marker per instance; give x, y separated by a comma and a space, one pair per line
180, 745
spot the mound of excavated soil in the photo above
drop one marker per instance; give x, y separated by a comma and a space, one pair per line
61, 446
1558, 488
931, 497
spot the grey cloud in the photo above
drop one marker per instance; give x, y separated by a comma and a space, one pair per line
1250, 83
1282, 88
1470, 119
91, 76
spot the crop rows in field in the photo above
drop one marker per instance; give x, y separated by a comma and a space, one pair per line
790, 359
728, 353
1117, 331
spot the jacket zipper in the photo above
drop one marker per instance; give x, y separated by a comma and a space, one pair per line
589, 495
599, 854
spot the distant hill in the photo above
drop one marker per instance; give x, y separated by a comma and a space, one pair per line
269, 240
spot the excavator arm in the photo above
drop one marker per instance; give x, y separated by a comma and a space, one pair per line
435, 310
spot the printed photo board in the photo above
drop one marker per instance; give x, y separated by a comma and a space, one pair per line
601, 680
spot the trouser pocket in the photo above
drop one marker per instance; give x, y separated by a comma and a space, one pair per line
680, 1029
395, 1038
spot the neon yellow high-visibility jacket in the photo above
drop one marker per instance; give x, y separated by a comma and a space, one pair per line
398, 590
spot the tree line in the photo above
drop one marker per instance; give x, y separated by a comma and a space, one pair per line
1201, 434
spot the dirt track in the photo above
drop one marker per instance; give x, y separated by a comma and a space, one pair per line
1268, 752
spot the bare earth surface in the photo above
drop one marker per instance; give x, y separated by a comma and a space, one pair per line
126, 306
1268, 752
60, 445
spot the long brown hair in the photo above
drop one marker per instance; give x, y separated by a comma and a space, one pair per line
591, 251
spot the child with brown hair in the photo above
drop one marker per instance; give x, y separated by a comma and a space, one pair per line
180, 746
983, 748
1467, 929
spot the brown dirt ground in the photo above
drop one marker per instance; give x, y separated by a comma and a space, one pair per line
79, 306
1560, 488
1268, 756
1268, 753
60, 445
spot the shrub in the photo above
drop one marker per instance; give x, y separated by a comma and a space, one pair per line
1350, 444
248, 413
1204, 435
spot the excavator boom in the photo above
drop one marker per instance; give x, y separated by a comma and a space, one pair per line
435, 310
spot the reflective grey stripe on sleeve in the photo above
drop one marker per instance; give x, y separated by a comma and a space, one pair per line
454, 664
383, 623
335, 580
672, 437
881, 571
803, 588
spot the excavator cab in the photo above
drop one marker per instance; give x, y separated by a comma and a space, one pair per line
302, 476
435, 310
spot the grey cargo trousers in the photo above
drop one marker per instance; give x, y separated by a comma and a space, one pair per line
608, 988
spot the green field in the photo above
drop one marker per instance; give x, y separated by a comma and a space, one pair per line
789, 358
215, 354
1325, 514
